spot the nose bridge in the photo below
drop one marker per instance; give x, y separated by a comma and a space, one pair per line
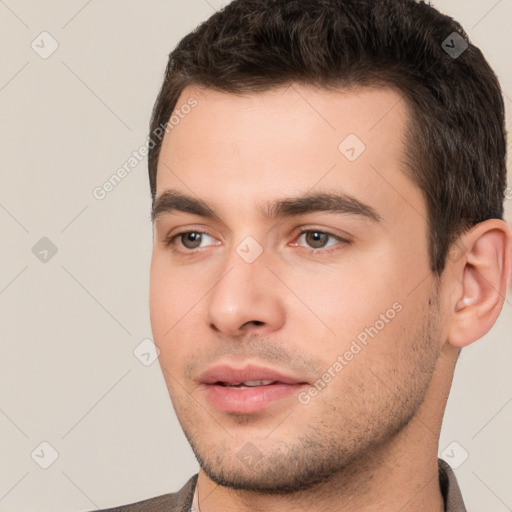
244, 292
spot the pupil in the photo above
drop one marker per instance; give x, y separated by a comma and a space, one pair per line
317, 239
192, 239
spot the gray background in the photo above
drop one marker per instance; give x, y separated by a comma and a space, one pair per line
69, 324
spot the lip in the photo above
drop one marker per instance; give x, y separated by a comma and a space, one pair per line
232, 375
248, 400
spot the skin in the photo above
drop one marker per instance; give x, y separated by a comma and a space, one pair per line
368, 441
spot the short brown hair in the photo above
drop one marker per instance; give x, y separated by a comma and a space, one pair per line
456, 147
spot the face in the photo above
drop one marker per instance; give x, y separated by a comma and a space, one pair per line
291, 297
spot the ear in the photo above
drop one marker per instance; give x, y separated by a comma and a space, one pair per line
482, 275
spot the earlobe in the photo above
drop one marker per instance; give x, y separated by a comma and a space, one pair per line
484, 274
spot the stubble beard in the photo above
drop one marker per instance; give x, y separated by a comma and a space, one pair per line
333, 446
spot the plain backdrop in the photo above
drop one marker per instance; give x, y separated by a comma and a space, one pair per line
78, 80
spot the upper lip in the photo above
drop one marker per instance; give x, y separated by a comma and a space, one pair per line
227, 374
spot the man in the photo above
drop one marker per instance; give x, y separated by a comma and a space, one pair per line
328, 180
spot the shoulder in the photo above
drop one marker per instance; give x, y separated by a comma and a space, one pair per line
450, 488
180, 501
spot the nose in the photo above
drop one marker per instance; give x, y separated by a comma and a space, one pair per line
245, 298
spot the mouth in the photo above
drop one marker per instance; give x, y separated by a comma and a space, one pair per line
249, 389
248, 384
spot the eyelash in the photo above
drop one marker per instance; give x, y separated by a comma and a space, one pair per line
169, 242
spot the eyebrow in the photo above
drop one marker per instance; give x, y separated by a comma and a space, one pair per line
172, 200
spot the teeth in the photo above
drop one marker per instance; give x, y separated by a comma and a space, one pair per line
249, 384
257, 382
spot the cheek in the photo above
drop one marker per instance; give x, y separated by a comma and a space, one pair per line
175, 313
158, 301
173, 293
347, 299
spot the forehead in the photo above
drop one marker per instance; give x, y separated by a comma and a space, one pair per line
289, 140
306, 111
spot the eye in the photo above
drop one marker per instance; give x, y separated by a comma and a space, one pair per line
317, 239
189, 239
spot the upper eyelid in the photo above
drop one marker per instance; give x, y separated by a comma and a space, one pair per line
328, 233
180, 233
170, 239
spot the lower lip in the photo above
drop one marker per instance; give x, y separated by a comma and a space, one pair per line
249, 400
